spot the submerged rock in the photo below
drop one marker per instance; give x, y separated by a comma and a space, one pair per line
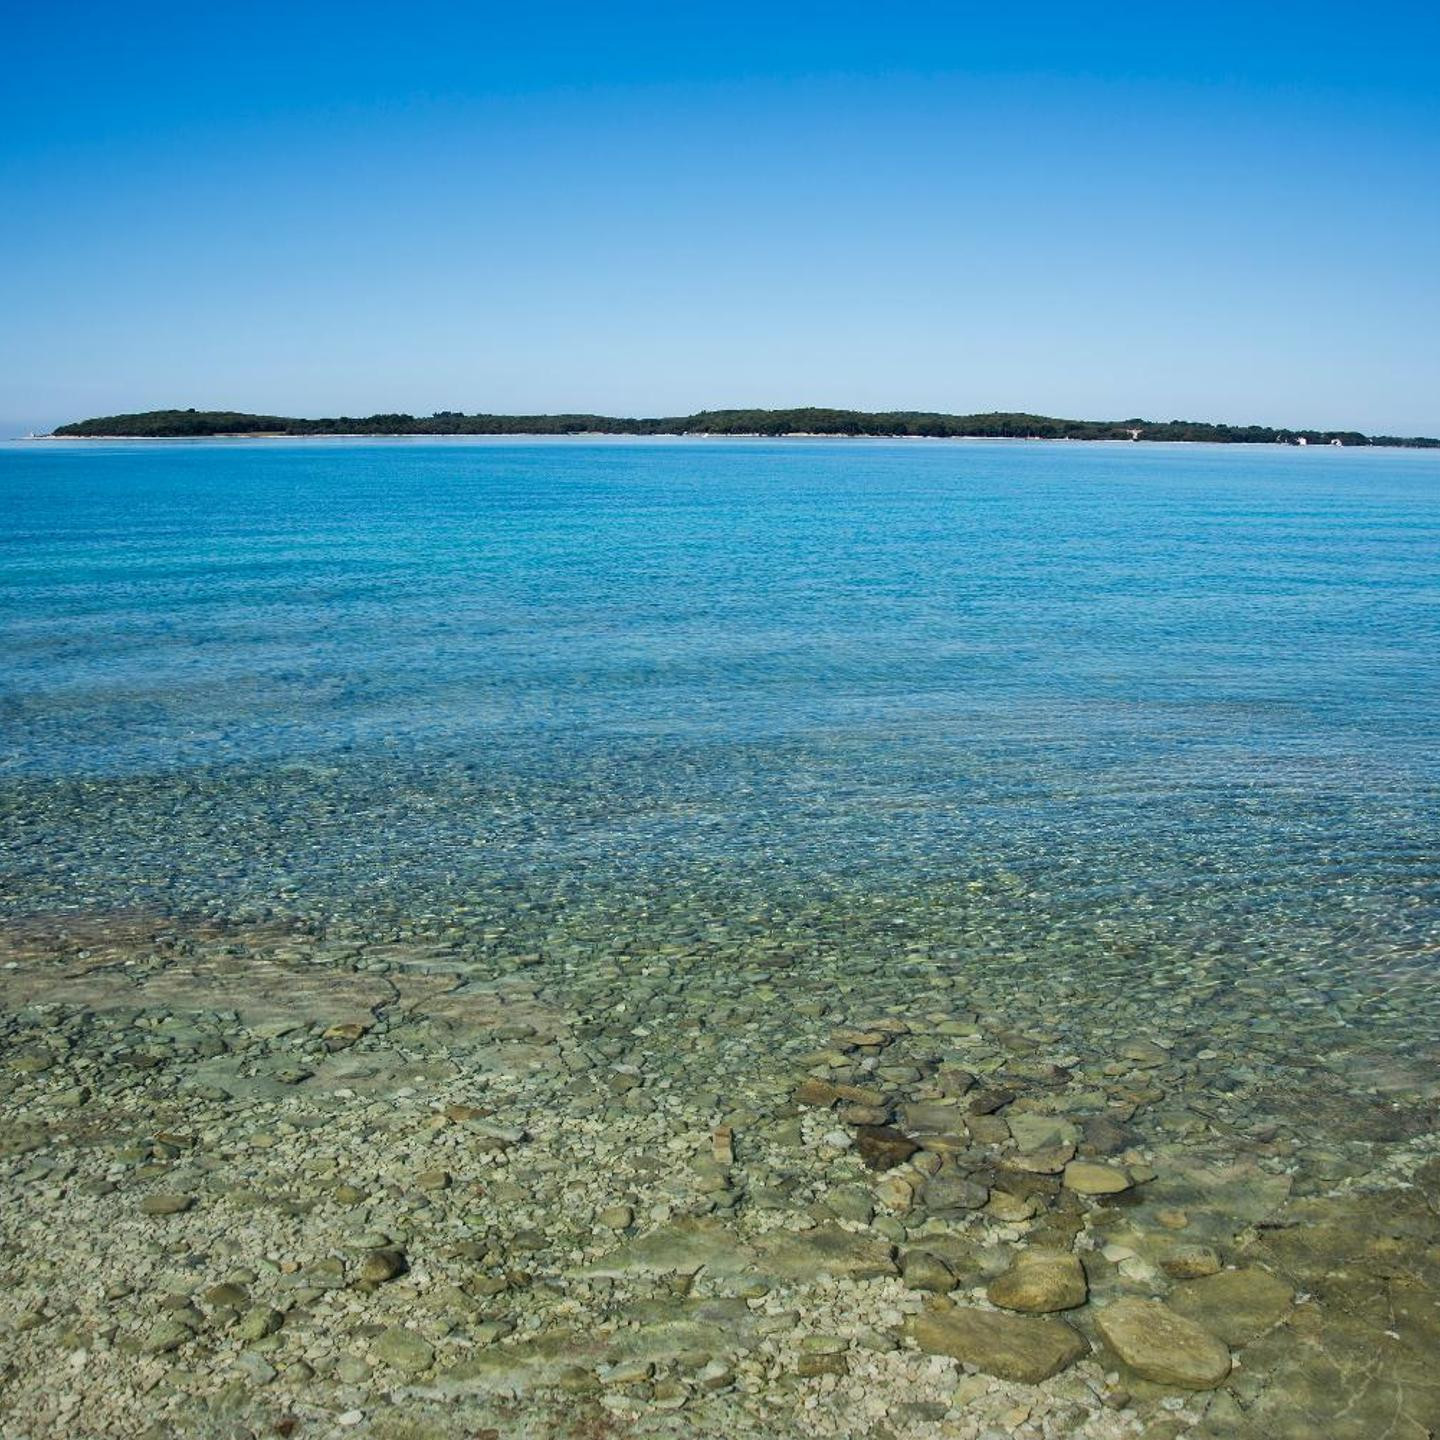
1188, 1262
1039, 1282
949, 1192
1032, 1131
1010, 1347
1162, 1346
882, 1148
405, 1350
827, 1249
258, 1322
381, 1265
926, 1271
1238, 1305
166, 1204
1086, 1177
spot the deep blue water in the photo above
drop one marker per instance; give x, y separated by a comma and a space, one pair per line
1189, 686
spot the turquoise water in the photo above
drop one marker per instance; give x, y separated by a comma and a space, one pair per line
607, 793
1138, 701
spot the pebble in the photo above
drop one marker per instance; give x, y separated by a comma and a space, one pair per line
380, 1266
1188, 1262
257, 1368
949, 1192
896, 1192
1007, 1207
851, 1202
227, 1297
166, 1203
810, 1366
722, 1145
167, 1335
625, 1372
1086, 1177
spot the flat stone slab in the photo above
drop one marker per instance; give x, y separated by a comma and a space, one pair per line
690, 1246
681, 1249
1162, 1346
266, 976
950, 1193
1010, 1347
1237, 1305
518, 1368
1033, 1131
1358, 1361
827, 1249
661, 1330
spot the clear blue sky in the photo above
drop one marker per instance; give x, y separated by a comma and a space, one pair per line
1226, 211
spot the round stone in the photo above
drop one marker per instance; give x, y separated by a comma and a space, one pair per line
1040, 1282
1087, 1177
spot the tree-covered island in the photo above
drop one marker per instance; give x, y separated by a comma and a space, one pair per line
182, 424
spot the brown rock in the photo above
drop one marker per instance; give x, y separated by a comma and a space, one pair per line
1039, 1282
863, 1114
954, 1081
1189, 1262
341, 1037
1103, 1135
849, 1039
882, 1148
1007, 1206
1162, 1346
1049, 1161
1085, 1177
987, 1102
950, 1192
924, 1270
459, 1114
809, 1366
825, 1094
1010, 1347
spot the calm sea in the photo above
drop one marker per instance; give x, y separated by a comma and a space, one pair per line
1110, 706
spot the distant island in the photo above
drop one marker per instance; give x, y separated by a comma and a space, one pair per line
183, 424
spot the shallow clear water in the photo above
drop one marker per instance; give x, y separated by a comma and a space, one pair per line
1092, 703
